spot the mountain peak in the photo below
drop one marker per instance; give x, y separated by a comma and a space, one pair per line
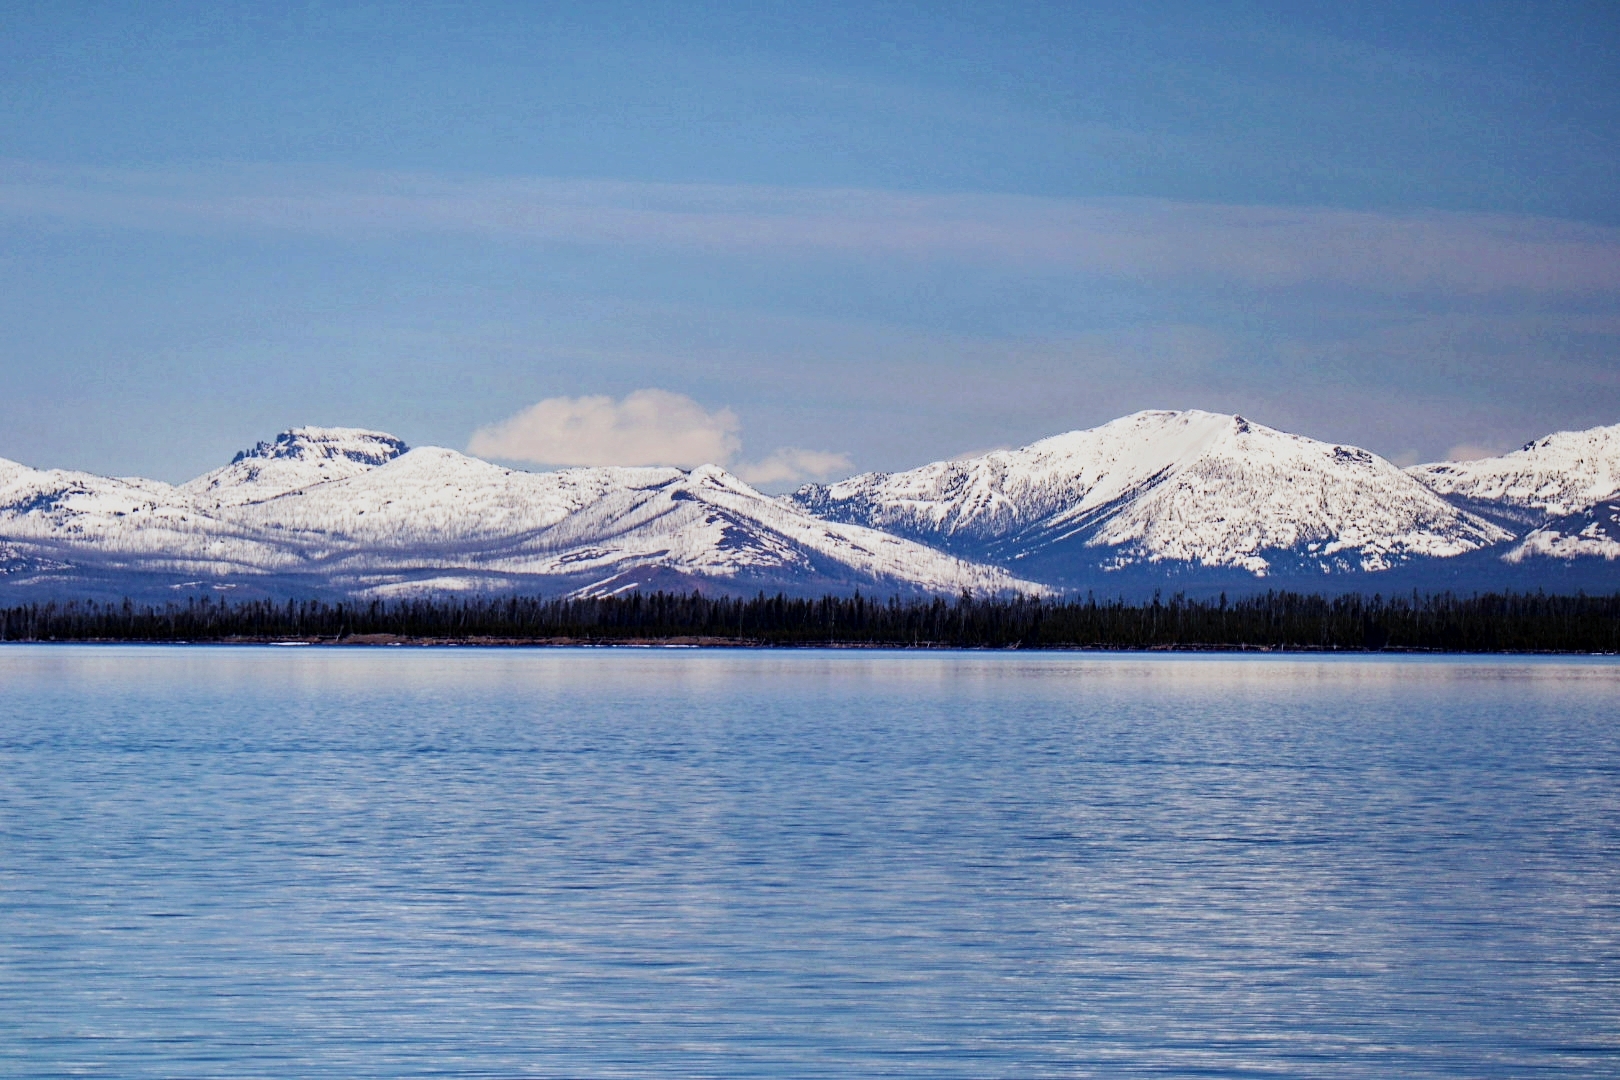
295, 459
321, 443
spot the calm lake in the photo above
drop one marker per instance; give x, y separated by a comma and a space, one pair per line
352, 862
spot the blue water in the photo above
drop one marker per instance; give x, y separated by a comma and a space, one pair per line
280, 862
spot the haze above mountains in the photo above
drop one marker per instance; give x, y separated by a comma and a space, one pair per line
1176, 501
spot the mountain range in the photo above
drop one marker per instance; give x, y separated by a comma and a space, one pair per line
1180, 501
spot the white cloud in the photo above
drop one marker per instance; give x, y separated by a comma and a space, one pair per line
647, 427
791, 464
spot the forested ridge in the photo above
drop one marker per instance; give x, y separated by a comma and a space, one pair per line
1279, 620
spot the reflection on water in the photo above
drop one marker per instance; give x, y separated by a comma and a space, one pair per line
391, 862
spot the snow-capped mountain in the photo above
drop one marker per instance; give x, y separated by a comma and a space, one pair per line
1184, 491
1186, 500
355, 512
1553, 477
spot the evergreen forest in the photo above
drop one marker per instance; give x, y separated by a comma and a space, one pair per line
1277, 620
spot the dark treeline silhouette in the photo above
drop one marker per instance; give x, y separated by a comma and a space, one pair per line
1485, 623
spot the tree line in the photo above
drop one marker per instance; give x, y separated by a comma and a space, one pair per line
1277, 620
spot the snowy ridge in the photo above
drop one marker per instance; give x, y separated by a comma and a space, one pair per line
50, 515
356, 513
1561, 474
437, 509
1198, 488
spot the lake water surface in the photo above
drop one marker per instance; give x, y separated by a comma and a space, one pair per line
280, 862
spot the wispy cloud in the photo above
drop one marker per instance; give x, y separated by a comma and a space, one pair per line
1471, 452
791, 464
1139, 239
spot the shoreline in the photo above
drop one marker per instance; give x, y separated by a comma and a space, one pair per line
702, 642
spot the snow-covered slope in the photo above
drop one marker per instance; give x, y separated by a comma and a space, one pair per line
1556, 476
353, 512
1591, 533
126, 524
1191, 488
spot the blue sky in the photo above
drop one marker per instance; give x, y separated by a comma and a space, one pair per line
867, 235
